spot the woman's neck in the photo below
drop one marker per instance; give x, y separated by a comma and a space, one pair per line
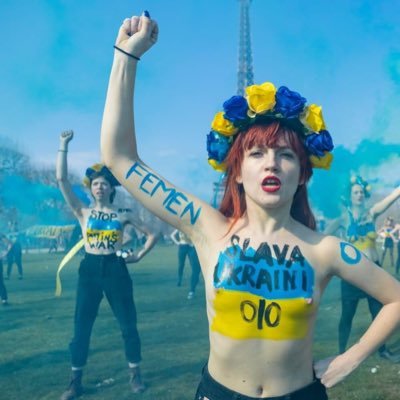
102, 205
358, 210
267, 221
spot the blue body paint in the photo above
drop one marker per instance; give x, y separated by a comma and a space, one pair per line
352, 259
175, 202
245, 270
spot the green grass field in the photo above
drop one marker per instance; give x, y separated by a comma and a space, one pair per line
36, 329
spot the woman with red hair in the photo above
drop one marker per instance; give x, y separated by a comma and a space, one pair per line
264, 266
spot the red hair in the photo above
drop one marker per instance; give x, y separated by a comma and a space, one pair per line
233, 204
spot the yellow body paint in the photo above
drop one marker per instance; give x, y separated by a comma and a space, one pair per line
242, 315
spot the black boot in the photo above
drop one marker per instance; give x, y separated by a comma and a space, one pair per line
388, 355
135, 380
75, 388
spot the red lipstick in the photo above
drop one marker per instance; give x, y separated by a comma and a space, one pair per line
271, 184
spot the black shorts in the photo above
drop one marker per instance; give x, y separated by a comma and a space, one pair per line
210, 389
388, 243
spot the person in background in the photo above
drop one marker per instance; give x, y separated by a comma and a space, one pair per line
358, 220
102, 272
186, 249
396, 235
15, 256
5, 247
387, 232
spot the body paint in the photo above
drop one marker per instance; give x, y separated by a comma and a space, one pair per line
263, 293
350, 254
175, 202
103, 230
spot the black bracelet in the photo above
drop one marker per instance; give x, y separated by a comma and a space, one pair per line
128, 54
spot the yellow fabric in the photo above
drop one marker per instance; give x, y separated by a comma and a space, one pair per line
365, 242
322, 162
49, 231
63, 262
222, 125
96, 168
261, 98
313, 118
219, 167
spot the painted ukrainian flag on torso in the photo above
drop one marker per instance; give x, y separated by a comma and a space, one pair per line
261, 298
103, 234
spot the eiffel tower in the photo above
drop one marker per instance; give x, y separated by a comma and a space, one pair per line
245, 78
245, 67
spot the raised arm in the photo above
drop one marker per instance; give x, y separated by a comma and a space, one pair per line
380, 207
351, 265
62, 175
396, 230
118, 142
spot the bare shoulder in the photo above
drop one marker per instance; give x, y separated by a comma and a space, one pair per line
84, 214
322, 247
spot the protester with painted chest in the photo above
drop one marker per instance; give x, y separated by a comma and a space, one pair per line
264, 265
268, 287
101, 271
358, 221
103, 230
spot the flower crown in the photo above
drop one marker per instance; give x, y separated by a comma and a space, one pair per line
102, 170
357, 180
264, 103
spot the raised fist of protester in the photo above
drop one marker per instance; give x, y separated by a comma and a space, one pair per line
137, 34
66, 136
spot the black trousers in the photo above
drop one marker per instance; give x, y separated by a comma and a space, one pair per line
186, 250
350, 298
14, 255
3, 290
210, 389
106, 275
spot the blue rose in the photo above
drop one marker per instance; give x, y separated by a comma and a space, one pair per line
318, 143
218, 146
289, 104
236, 109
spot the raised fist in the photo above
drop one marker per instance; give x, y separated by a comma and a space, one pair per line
137, 34
66, 136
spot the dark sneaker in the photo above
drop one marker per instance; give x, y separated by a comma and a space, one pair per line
388, 355
75, 388
135, 380
5, 303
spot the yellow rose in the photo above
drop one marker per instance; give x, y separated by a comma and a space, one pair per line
313, 118
322, 162
261, 98
219, 167
222, 125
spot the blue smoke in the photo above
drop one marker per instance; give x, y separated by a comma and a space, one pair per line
327, 187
